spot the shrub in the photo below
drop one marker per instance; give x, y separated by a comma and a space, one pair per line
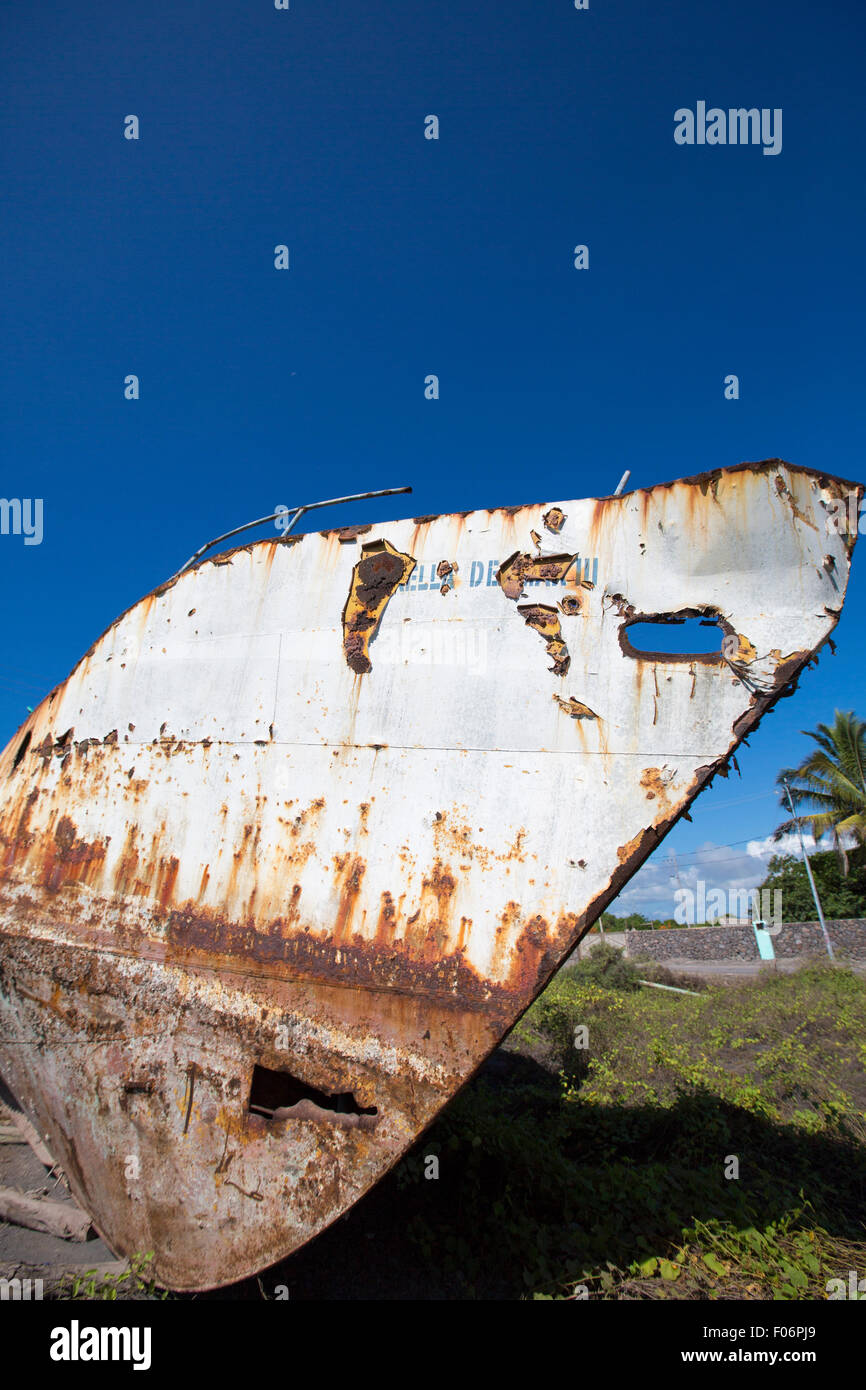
608, 967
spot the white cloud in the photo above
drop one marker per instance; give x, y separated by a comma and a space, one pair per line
726, 867
788, 844
729, 868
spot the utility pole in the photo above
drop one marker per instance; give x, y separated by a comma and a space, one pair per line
809, 872
676, 869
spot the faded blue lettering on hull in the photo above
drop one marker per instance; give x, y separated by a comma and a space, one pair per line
426, 576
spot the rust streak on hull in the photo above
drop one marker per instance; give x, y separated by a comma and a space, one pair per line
266, 903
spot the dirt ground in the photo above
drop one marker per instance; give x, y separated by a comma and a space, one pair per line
21, 1169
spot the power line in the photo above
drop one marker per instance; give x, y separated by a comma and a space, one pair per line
728, 859
752, 839
721, 805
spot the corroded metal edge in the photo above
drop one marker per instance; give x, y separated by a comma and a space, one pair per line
84, 977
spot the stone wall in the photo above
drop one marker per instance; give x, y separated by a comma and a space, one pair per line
619, 939
738, 943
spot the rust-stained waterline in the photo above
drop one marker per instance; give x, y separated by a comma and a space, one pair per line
297, 842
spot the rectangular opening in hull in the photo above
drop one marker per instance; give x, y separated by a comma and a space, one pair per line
672, 637
280, 1090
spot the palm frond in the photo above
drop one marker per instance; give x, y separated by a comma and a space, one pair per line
828, 788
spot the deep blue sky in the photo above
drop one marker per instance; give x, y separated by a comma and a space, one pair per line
408, 257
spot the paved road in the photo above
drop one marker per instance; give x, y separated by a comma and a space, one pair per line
742, 969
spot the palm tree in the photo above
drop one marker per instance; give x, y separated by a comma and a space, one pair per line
831, 781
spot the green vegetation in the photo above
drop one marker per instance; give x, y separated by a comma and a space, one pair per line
841, 895
605, 966
135, 1282
604, 1168
635, 921
831, 781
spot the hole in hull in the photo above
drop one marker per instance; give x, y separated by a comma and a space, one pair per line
22, 749
272, 1091
673, 637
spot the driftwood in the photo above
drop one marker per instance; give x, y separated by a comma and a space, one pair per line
63, 1219
30, 1136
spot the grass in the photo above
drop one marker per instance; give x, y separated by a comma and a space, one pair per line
709, 1147
135, 1282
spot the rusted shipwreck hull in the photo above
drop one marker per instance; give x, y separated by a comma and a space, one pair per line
309, 827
